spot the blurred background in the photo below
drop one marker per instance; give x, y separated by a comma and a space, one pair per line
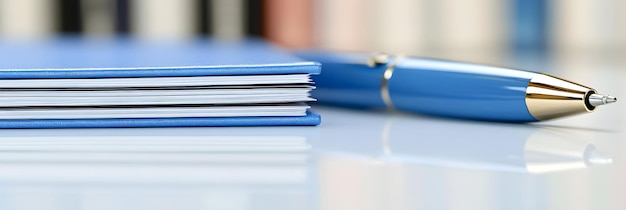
486, 31
582, 40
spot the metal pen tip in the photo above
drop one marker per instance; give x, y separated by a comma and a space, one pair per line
599, 99
611, 99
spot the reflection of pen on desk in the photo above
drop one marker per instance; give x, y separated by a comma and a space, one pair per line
548, 151
515, 149
395, 161
448, 89
479, 146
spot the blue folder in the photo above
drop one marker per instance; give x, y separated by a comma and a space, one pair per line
123, 58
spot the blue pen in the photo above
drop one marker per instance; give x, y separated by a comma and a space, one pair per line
448, 89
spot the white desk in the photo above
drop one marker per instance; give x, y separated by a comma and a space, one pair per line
355, 160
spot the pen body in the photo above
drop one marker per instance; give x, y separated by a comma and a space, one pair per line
346, 80
460, 90
425, 86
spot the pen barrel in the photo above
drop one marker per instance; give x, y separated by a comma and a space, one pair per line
445, 88
346, 80
460, 90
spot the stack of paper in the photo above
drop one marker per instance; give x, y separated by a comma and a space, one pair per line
126, 83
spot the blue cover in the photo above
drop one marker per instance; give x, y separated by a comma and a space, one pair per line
75, 58
309, 119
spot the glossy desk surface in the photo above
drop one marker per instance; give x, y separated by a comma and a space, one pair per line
356, 159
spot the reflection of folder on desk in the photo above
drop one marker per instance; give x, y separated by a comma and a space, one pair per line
125, 83
155, 159
230, 157
197, 168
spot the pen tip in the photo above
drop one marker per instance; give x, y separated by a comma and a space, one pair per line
611, 99
599, 99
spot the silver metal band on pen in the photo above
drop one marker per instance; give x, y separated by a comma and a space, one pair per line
378, 59
384, 83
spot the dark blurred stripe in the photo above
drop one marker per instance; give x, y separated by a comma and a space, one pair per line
255, 10
122, 22
205, 24
70, 18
